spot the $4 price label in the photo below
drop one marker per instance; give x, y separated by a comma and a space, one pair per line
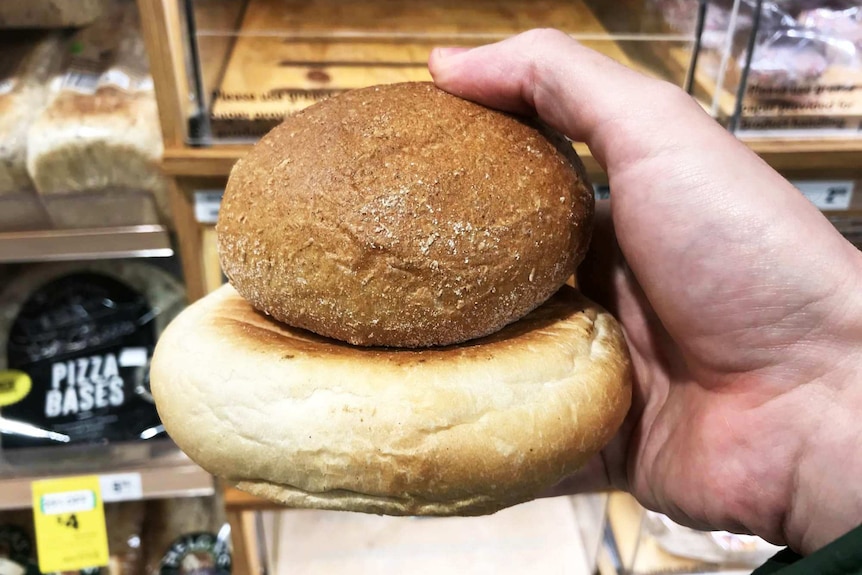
69, 516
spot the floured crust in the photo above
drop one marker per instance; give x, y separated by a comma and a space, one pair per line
468, 429
404, 216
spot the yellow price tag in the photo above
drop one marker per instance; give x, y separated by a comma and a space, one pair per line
70, 524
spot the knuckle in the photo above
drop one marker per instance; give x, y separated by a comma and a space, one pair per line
544, 36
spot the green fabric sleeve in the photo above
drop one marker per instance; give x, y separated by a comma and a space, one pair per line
841, 557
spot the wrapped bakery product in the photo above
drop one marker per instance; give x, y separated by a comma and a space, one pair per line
22, 211
186, 535
27, 64
125, 523
809, 65
786, 58
100, 130
842, 24
50, 13
17, 543
802, 64
84, 334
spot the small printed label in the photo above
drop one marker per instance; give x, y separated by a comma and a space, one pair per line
67, 502
69, 517
828, 195
121, 487
207, 204
133, 357
14, 386
117, 78
83, 81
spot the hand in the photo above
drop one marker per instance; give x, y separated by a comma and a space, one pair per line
741, 304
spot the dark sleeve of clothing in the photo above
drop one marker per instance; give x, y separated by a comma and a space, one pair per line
841, 557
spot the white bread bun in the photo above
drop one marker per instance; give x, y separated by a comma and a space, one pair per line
317, 423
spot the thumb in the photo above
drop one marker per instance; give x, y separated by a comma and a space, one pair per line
622, 115
703, 223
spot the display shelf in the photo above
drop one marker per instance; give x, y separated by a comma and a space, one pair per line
86, 244
237, 499
287, 55
167, 477
254, 67
798, 157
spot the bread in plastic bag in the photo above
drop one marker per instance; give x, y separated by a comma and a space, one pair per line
50, 13
27, 64
100, 130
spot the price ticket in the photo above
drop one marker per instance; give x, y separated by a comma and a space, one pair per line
69, 516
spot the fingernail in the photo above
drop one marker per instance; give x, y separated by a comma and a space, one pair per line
448, 51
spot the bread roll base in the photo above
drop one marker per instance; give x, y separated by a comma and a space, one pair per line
463, 430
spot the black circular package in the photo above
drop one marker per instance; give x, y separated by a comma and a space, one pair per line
75, 346
197, 554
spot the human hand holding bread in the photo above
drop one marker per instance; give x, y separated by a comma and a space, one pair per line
740, 301
727, 334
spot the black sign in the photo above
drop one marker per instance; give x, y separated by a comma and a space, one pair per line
86, 340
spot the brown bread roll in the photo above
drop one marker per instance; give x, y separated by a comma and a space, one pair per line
404, 216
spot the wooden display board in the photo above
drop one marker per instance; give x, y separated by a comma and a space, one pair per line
288, 55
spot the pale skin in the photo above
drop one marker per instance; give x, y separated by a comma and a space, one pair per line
741, 304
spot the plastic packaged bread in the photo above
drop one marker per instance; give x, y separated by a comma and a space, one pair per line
186, 535
100, 129
125, 522
27, 64
22, 211
49, 13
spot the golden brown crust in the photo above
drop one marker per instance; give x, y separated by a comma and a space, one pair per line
404, 216
467, 429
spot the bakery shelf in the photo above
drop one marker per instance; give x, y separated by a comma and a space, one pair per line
168, 477
236, 499
85, 244
253, 62
797, 157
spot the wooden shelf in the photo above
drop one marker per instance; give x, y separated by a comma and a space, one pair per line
236, 499
819, 158
174, 476
285, 56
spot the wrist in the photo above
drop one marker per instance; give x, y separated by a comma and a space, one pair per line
826, 498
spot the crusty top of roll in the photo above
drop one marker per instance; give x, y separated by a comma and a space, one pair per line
467, 429
403, 216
